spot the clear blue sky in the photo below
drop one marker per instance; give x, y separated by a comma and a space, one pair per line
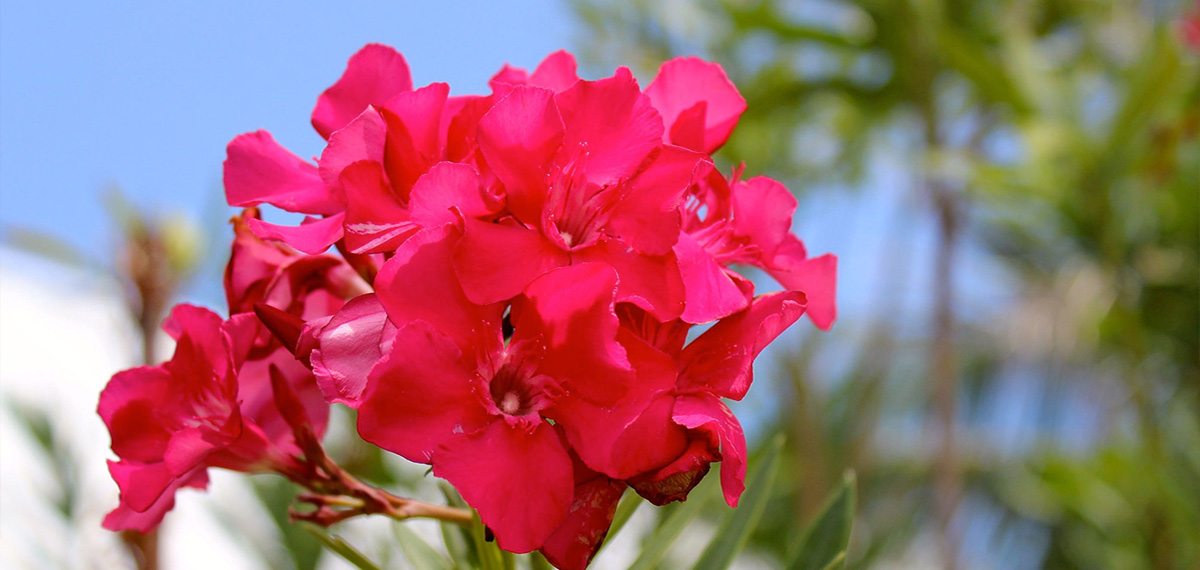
145, 95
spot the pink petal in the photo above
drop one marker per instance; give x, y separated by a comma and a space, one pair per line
624, 429
684, 82
674, 481
647, 217
494, 262
125, 518
519, 480
375, 219
570, 309
349, 345
610, 127
420, 395
573, 544
762, 211
815, 276
721, 360
419, 283
413, 119
258, 170
313, 236
450, 185
556, 72
362, 139
462, 115
374, 74
706, 413
709, 291
508, 76
127, 406
651, 282
518, 137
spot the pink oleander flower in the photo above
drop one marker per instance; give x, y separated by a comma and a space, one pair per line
396, 159
214, 403
454, 393
169, 423
700, 428
747, 222
587, 178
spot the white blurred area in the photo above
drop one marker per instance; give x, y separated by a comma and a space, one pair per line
63, 332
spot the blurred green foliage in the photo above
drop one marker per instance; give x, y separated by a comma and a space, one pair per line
1065, 137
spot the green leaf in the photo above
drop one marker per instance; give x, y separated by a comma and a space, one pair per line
419, 553
338, 545
735, 531
657, 545
539, 562
489, 554
625, 509
822, 545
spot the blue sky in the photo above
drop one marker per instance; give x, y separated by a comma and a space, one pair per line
145, 95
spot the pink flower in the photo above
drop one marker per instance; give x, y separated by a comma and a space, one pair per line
214, 403
171, 422
717, 364
453, 392
587, 178
396, 160
747, 222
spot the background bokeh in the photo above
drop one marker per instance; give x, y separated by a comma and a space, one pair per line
1012, 188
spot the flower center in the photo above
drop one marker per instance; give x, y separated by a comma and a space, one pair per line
515, 387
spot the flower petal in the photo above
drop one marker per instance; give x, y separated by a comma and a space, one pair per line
413, 135
518, 137
721, 360
450, 185
762, 211
420, 395
685, 82
556, 72
647, 216
651, 282
573, 544
626, 429
519, 480
374, 74
706, 413
362, 139
815, 276
375, 219
710, 293
349, 345
419, 283
610, 127
313, 236
258, 170
494, 262
570, 309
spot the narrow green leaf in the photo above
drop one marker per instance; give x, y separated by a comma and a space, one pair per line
625, 509
459, 540
339, 546
489, 553
655, 547
822, 545
419, 553
735, 531
539, 562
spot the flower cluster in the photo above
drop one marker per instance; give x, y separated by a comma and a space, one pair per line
514, 303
